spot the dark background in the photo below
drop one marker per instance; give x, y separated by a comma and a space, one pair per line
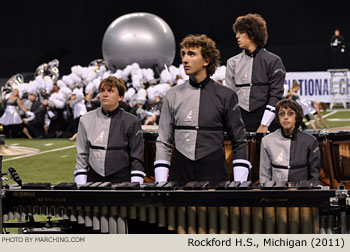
35, 32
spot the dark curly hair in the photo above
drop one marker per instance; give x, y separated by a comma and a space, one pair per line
255, 26
293, 105
209, 50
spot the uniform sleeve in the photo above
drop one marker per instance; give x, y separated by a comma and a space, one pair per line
136, 147
235, 127
82, 159
332, 41
313, 161
277, 74
343, 42
164, 142
236, 132
229, 76
265, 169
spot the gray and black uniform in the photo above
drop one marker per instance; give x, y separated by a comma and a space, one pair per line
109, 146
289, 158
258, 79
194, 117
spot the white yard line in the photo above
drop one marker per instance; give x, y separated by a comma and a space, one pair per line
338, 120
42, 152
329, 114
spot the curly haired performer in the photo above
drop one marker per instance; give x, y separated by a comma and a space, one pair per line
256, 74
195, 115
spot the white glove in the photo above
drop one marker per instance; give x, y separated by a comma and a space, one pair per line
161, 170
161, 174
29, 116
240, 173
80, 176
136, 179
241, 169
81, 179
137, 176
268, 116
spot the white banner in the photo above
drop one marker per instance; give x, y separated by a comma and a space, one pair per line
175, 243
316, 86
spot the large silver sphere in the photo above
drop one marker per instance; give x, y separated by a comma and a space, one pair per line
139, 37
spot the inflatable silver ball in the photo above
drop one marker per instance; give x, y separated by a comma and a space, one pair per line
139, 37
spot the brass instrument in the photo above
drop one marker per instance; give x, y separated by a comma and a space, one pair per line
49, 69
15, 80
97, 64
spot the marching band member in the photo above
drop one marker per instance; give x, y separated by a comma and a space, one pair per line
109, 141
34, 126
11, 119
288, 154
256, 74
194, 117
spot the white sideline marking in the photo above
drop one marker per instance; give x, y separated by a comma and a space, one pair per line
43, 152
329, 114
339, 119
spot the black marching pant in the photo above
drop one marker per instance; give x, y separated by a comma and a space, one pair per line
211, 168
252, 120
122, 175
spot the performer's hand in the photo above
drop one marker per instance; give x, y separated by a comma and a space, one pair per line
136, 179
30, 116
80, 176
262, 129
161, 174
240, 173
81, 179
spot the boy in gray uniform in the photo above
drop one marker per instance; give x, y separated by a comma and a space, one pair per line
194, 117
256, 74
109, 141
289, 154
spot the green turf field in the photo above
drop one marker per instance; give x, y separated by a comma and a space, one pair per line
338, 119
335, 118
53, 164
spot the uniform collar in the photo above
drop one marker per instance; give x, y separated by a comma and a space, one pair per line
291, 136
110, 113
200, 84
253, 54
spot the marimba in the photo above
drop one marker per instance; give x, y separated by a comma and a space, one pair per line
197, 207
230, 207
334, 146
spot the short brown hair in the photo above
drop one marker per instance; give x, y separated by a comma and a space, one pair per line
255, 26
208, 49
293, 105
111, 82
